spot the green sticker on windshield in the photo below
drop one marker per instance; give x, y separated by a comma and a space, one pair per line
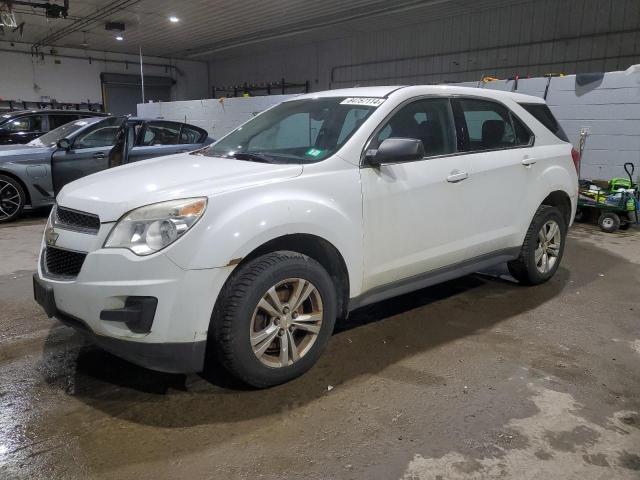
313, 152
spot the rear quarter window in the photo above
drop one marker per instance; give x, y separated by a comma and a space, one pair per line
543, 114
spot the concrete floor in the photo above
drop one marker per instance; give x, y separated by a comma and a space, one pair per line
476, 378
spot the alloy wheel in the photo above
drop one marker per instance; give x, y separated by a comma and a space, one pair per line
548, 246
286, 322
608, 223
10, 200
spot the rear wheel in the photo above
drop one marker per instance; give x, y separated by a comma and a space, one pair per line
609, 222
625, 226
274, 318
12, 199
581, 215
542, 249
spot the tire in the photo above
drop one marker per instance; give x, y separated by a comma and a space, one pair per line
238, 322
609, 222
530, 267
581, 216
625, 226
12, 199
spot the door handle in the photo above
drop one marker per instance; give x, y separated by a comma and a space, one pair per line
98, 155
457, 176
183, 150
528, 161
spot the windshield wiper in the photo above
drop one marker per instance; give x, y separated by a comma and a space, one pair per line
253, 157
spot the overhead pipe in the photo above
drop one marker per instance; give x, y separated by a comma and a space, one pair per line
90, 59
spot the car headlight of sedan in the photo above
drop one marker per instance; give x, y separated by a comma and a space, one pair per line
148, 229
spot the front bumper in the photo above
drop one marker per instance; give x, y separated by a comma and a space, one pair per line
168, 357
173, 340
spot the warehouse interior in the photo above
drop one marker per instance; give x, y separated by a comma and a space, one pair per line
473, 376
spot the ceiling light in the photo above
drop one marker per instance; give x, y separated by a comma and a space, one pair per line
174, 19
119, 38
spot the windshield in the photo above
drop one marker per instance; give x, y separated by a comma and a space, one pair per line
297, 131
51, 138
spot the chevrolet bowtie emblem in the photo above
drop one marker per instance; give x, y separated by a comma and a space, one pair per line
51, 236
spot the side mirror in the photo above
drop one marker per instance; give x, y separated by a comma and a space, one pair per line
64, 143
394, 150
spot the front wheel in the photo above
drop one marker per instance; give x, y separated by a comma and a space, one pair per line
542, 249
274, 318
12, 199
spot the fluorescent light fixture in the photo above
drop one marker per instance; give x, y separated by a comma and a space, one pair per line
120, 38
174, 19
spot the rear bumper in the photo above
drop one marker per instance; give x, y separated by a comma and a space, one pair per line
171, 357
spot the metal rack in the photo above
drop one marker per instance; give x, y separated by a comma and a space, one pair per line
13, 105
259, 89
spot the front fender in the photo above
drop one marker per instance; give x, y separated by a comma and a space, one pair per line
238, 222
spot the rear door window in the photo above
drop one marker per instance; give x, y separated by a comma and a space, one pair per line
190, 134
486, 125
543, 114
160, 133
523, 135
28, 123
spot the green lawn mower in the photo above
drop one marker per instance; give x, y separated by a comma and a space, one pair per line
614, 202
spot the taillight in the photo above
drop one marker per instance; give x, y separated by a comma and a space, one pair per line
575, 155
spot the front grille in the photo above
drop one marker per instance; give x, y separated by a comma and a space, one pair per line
75, 220
62, 263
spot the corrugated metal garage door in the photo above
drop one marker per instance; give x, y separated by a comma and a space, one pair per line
122, 93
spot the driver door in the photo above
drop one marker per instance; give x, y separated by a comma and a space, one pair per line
89, 153
416, 215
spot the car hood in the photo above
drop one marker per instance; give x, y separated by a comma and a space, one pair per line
15, 152
112, 193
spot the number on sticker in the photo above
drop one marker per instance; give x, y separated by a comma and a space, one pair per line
372, 102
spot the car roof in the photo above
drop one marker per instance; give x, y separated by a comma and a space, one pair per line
470, 91
423, 90
352, 92
88, 120
16, 113
146, 119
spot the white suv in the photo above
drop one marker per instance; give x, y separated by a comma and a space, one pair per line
246, 252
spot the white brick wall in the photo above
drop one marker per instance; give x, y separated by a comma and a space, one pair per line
610, 108
216, 116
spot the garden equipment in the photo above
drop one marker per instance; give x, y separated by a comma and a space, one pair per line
617, 203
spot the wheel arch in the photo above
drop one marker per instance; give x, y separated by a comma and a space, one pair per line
322, 251
15, 177
561, 200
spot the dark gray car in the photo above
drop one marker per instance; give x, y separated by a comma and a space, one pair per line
32, 174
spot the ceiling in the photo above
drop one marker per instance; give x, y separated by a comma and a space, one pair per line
209, 29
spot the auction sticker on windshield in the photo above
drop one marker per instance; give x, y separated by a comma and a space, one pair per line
372, 102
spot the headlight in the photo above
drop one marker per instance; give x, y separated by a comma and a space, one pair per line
148, 229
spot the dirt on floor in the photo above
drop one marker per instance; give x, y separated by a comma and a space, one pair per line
475, 378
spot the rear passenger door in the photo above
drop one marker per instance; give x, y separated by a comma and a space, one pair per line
500, 161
